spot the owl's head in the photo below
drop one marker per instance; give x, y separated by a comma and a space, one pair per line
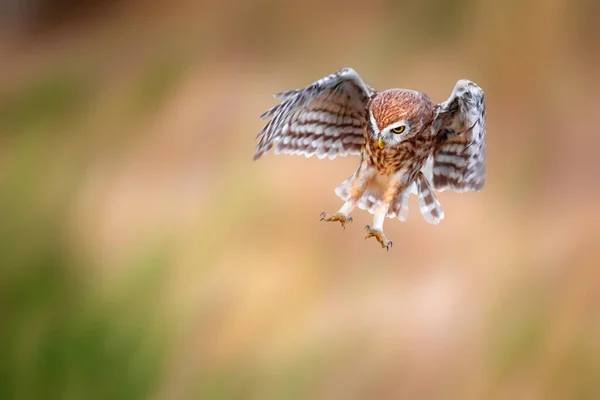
399, 114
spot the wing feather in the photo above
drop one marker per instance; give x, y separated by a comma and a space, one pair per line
459, 157
326, 118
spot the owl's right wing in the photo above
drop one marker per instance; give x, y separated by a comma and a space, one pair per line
326, 118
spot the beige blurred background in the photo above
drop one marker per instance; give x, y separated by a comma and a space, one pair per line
144, 255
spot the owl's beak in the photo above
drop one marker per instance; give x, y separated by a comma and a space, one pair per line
380, 142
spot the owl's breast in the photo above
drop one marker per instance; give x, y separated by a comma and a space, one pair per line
409, 155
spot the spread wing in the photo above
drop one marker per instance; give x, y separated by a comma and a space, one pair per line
458, 160
326, 118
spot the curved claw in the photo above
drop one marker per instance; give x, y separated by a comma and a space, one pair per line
379, 236
389, 245
337, 217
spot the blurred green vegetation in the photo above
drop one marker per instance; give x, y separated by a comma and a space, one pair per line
54, 97
57, 339
60, 337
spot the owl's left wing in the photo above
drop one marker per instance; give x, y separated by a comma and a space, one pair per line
459, 159
326, 118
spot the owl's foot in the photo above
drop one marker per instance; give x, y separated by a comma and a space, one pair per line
378, 234
337, 217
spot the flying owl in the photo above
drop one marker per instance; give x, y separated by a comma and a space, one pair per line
406, 143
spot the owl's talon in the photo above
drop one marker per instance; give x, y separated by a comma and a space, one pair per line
337, 217
379, 236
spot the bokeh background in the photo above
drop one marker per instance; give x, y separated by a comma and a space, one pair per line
143, 255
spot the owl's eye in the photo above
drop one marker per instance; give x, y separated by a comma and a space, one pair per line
399, 129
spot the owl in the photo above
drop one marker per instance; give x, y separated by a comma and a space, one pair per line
406, 143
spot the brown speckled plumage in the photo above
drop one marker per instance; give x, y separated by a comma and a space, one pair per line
409, 155
396, 105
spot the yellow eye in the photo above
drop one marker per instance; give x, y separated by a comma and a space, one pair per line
399, 129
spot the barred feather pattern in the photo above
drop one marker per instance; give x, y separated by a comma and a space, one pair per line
430, 207
326, 118
459, 155
373, 197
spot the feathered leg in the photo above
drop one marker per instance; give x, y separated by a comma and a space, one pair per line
376, 230
358, 185
397, 185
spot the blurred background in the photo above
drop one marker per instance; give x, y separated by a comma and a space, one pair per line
143, 255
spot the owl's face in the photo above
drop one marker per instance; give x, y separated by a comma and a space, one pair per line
397, 115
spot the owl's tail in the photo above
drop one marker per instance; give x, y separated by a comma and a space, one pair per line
373, 197
428, 204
